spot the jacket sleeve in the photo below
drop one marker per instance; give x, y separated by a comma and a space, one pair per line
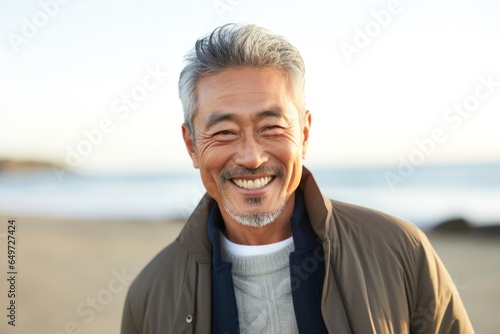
128, 325
437, 306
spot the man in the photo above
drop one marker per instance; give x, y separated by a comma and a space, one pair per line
265, 251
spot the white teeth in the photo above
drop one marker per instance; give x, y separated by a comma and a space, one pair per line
255, 184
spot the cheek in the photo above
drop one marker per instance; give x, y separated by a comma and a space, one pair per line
210, 180
291, 158
212, 162
289, 153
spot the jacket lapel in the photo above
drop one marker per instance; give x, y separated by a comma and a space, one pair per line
224, 308
319, 210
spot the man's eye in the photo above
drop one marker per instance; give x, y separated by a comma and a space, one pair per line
272, 128
224, 133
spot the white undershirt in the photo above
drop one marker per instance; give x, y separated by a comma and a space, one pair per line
253, 250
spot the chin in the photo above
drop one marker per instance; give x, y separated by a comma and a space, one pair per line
255, 215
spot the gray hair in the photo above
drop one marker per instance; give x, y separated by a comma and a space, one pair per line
233, 46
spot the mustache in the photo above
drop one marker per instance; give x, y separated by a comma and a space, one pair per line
243, 171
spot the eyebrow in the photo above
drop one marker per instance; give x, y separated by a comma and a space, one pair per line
219, 117
275, 112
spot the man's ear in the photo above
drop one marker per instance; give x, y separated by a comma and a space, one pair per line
189, 145
306, 126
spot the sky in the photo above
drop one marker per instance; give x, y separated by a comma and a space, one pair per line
92, 85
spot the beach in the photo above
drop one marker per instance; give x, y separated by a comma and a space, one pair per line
72, 275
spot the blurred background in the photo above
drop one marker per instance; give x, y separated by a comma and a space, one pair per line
405, 98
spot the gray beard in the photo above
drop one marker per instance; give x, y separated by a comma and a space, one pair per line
256, 219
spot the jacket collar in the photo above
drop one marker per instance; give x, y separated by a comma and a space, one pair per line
194, 235
319, 208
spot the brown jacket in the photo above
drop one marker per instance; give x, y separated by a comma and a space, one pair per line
382, 276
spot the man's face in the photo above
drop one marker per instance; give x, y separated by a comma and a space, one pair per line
249, 143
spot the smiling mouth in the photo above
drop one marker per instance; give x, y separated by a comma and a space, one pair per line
253, 184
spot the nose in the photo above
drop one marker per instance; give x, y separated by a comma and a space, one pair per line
250, 153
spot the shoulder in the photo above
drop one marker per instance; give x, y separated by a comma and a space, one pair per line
373, 236
366, 222
384, 246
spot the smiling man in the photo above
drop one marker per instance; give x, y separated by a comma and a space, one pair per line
265, 251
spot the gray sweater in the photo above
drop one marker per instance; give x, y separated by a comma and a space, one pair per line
263, 291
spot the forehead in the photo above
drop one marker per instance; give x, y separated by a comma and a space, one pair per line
242, 90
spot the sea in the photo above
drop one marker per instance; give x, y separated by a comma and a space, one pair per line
424, 195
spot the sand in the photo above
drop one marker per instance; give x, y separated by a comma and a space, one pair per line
73, 275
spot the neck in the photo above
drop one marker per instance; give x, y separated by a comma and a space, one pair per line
277, 231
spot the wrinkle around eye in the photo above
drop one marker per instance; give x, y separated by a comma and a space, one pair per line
225, 135
273, 130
